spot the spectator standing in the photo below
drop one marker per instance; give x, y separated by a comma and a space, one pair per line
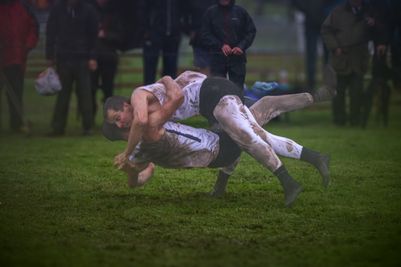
378, 86
18, 35
72, 29
109, 38
162, 33
395, 31
228, 30
201, 55
315, 11
346, 33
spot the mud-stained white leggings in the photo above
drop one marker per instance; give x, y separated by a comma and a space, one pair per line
240, 124
269, 107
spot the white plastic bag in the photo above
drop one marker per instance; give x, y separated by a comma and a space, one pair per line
48, 82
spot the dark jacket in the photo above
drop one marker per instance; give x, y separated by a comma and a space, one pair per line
313, 11
111, 25
71, 32
230, 25
195, 12
162, 18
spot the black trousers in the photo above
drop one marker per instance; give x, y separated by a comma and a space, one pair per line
379, 87
103, 77
168, 46
353, 83
15, 82
70, 73
233, 66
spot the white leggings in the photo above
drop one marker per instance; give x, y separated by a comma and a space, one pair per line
240, 124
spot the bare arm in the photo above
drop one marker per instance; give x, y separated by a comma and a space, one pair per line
139, 102
174, 99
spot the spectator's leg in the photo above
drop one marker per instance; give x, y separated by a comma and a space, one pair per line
311, 38
326, 53
108, 73
338, 103
396, 61
150, 59
84, 95
356, 92
95, 84
385, 98
14, 75
367, 101
60, 115
170, 55
237, 72
218, 65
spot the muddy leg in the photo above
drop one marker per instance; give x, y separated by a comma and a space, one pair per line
269, 107
222, 179
290, 149
238, 122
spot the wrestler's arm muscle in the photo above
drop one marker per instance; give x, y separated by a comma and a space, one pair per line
173, 101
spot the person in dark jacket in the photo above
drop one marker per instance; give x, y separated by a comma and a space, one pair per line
228, 30
196, 10
72, 29
109, 38
18, 35
315, 11
162, 33
380, 70
395, 42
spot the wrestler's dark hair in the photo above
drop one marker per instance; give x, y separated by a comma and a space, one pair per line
109, 130
115, 103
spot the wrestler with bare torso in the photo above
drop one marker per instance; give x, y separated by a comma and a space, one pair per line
226, 108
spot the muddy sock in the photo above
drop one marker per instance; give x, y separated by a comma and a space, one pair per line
321, 162
220, 185
291, 187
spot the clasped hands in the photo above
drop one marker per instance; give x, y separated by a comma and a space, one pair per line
227, 50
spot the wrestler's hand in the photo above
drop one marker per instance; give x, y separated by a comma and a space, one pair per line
121, 161
173, 90
165, 79
237, 51
226, 49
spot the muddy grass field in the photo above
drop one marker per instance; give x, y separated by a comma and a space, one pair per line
63, 204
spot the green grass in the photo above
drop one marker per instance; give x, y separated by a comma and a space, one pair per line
63, 204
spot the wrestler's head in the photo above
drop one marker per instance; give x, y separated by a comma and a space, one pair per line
118, 111
117, 116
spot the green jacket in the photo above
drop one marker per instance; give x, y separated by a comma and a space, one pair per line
350, 32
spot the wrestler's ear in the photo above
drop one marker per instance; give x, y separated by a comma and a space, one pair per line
126, 105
